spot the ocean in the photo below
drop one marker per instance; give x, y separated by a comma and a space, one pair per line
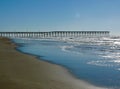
95, 60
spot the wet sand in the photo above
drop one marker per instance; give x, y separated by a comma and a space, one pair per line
22, 71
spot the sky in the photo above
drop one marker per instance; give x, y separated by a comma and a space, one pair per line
60, 15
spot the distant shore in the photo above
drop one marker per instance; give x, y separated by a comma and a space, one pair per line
22, 71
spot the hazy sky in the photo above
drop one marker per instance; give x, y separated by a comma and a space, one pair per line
54, 15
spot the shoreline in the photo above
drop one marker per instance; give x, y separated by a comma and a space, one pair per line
27, 72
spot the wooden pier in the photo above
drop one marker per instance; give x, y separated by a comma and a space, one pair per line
55, 34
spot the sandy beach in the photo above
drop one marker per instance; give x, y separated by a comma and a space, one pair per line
22, 71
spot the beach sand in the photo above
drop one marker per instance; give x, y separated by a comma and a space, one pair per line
22, 71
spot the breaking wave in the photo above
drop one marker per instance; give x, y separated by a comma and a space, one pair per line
108, 49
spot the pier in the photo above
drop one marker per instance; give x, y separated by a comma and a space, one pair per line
55, 34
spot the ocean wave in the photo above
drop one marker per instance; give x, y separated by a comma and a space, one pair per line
107, 49
100, 63
65, 47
